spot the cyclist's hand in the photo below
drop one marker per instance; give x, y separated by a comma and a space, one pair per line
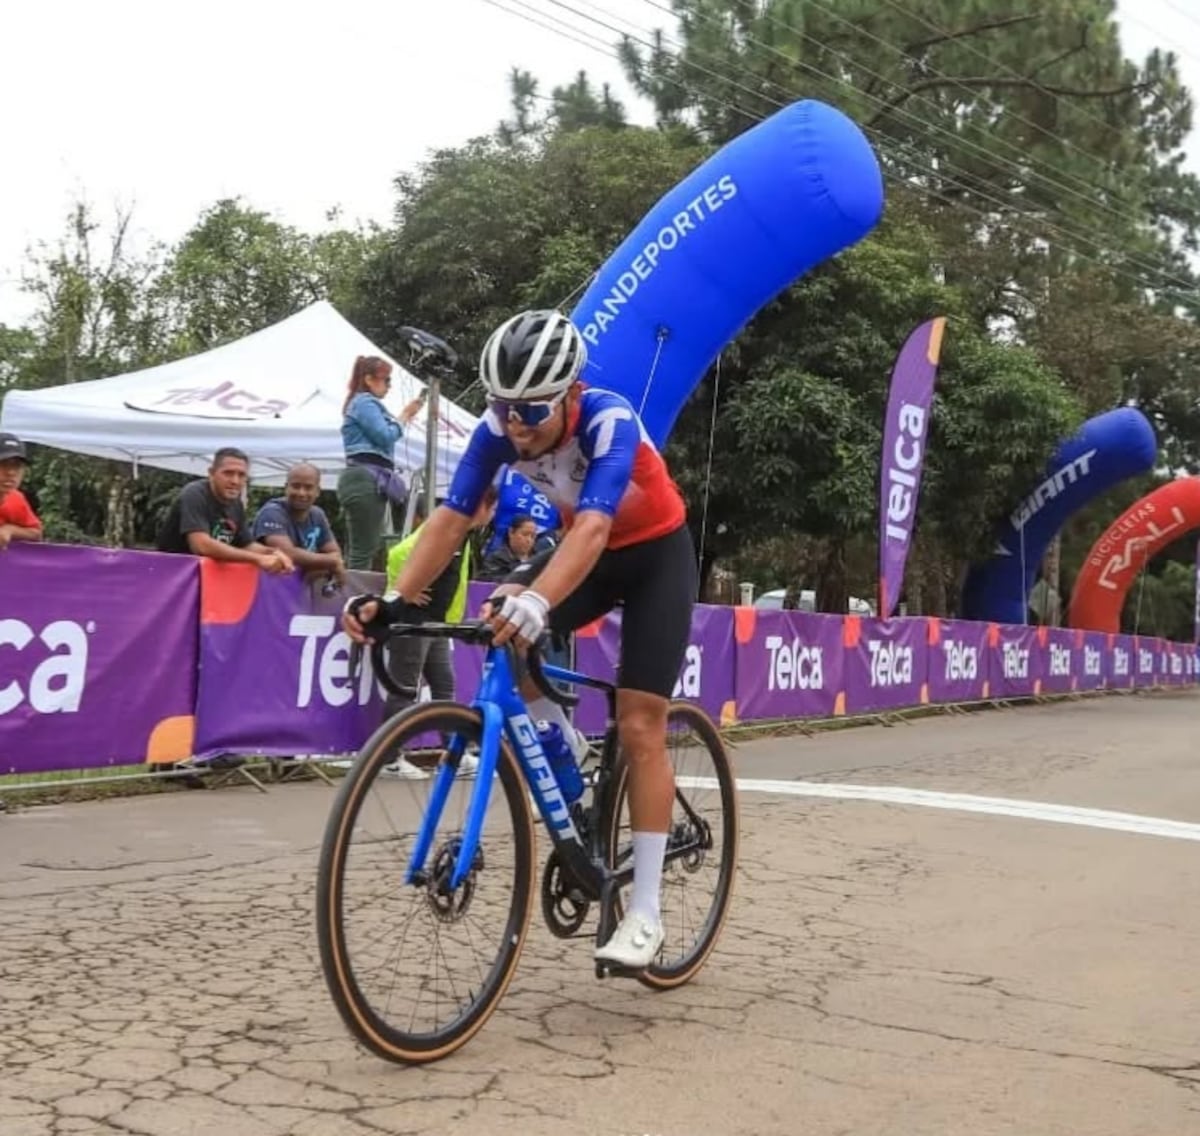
357, 616
491, 605
523, 617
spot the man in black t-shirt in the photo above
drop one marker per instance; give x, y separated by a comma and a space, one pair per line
209, 519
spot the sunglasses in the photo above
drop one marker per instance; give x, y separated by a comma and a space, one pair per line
525, 413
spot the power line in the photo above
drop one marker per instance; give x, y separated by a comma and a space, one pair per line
1026, 171
1137, 261
966, 45
948, 174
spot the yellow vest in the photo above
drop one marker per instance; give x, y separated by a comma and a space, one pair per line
399, 554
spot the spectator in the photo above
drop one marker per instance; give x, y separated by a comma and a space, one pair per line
411, 659
515, 550
296, 524
17, 520
547, 538
370, 483
208, 518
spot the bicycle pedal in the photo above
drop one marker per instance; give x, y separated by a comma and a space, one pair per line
612, 970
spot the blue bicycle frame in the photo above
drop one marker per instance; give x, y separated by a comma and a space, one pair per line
505, 715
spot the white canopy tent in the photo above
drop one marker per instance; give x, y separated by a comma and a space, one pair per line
277, 394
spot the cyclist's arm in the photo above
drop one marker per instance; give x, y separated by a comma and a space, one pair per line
441, 536
575, 557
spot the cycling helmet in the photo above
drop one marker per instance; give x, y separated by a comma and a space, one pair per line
535, 355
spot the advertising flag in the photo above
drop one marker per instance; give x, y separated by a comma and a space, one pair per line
904, 433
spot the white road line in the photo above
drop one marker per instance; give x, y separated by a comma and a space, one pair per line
964, 802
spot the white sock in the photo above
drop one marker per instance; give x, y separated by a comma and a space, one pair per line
542, 709
649, 848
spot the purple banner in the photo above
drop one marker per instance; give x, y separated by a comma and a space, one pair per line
789, 664
1017, 663
706, 678
958, 661
1145, 661
275, 667
1095, 660
97, 657
1122, 661
887, 664
1177, 659
904, 435
1062, 656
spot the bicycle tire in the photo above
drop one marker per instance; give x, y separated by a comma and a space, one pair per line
362, 1019
660, 975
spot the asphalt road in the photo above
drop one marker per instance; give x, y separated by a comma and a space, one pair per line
939, 928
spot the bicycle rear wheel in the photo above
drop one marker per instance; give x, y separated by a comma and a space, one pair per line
414, 969
698, 885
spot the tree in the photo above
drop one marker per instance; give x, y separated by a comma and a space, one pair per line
238, 270
104, 308
489, 228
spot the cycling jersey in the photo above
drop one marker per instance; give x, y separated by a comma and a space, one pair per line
606, 462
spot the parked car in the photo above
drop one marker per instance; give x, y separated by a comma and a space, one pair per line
773, 601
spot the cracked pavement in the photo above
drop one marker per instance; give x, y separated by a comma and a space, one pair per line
886, 969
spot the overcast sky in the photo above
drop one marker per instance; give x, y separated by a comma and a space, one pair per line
166, 108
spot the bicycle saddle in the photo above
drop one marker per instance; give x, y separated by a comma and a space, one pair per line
428, 348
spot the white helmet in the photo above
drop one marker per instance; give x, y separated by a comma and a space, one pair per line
535, 355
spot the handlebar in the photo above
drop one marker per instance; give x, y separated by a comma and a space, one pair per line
478, 634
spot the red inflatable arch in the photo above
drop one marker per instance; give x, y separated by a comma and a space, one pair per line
1115, 560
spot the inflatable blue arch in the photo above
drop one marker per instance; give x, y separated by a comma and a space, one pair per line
775, 202
1106, 450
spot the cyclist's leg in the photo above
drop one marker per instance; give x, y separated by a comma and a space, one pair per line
593, 598
658, 589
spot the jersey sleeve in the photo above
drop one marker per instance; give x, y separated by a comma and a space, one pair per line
486, 452
610, 439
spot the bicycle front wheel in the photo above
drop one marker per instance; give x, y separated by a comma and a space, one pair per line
415, 969
698, 878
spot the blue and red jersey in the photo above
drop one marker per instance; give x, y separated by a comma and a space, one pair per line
606, 462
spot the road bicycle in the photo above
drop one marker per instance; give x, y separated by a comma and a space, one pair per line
425, 887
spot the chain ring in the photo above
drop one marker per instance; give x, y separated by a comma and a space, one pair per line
564, 914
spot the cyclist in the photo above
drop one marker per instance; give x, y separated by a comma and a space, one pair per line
626, 542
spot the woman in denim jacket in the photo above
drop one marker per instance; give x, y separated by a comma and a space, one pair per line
369, 436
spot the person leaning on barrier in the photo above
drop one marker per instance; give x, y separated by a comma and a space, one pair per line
208, 518
297, 525
17, 520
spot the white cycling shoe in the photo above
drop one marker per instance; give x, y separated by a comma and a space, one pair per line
634, 944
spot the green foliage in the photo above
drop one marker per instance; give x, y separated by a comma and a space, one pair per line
1036, 198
